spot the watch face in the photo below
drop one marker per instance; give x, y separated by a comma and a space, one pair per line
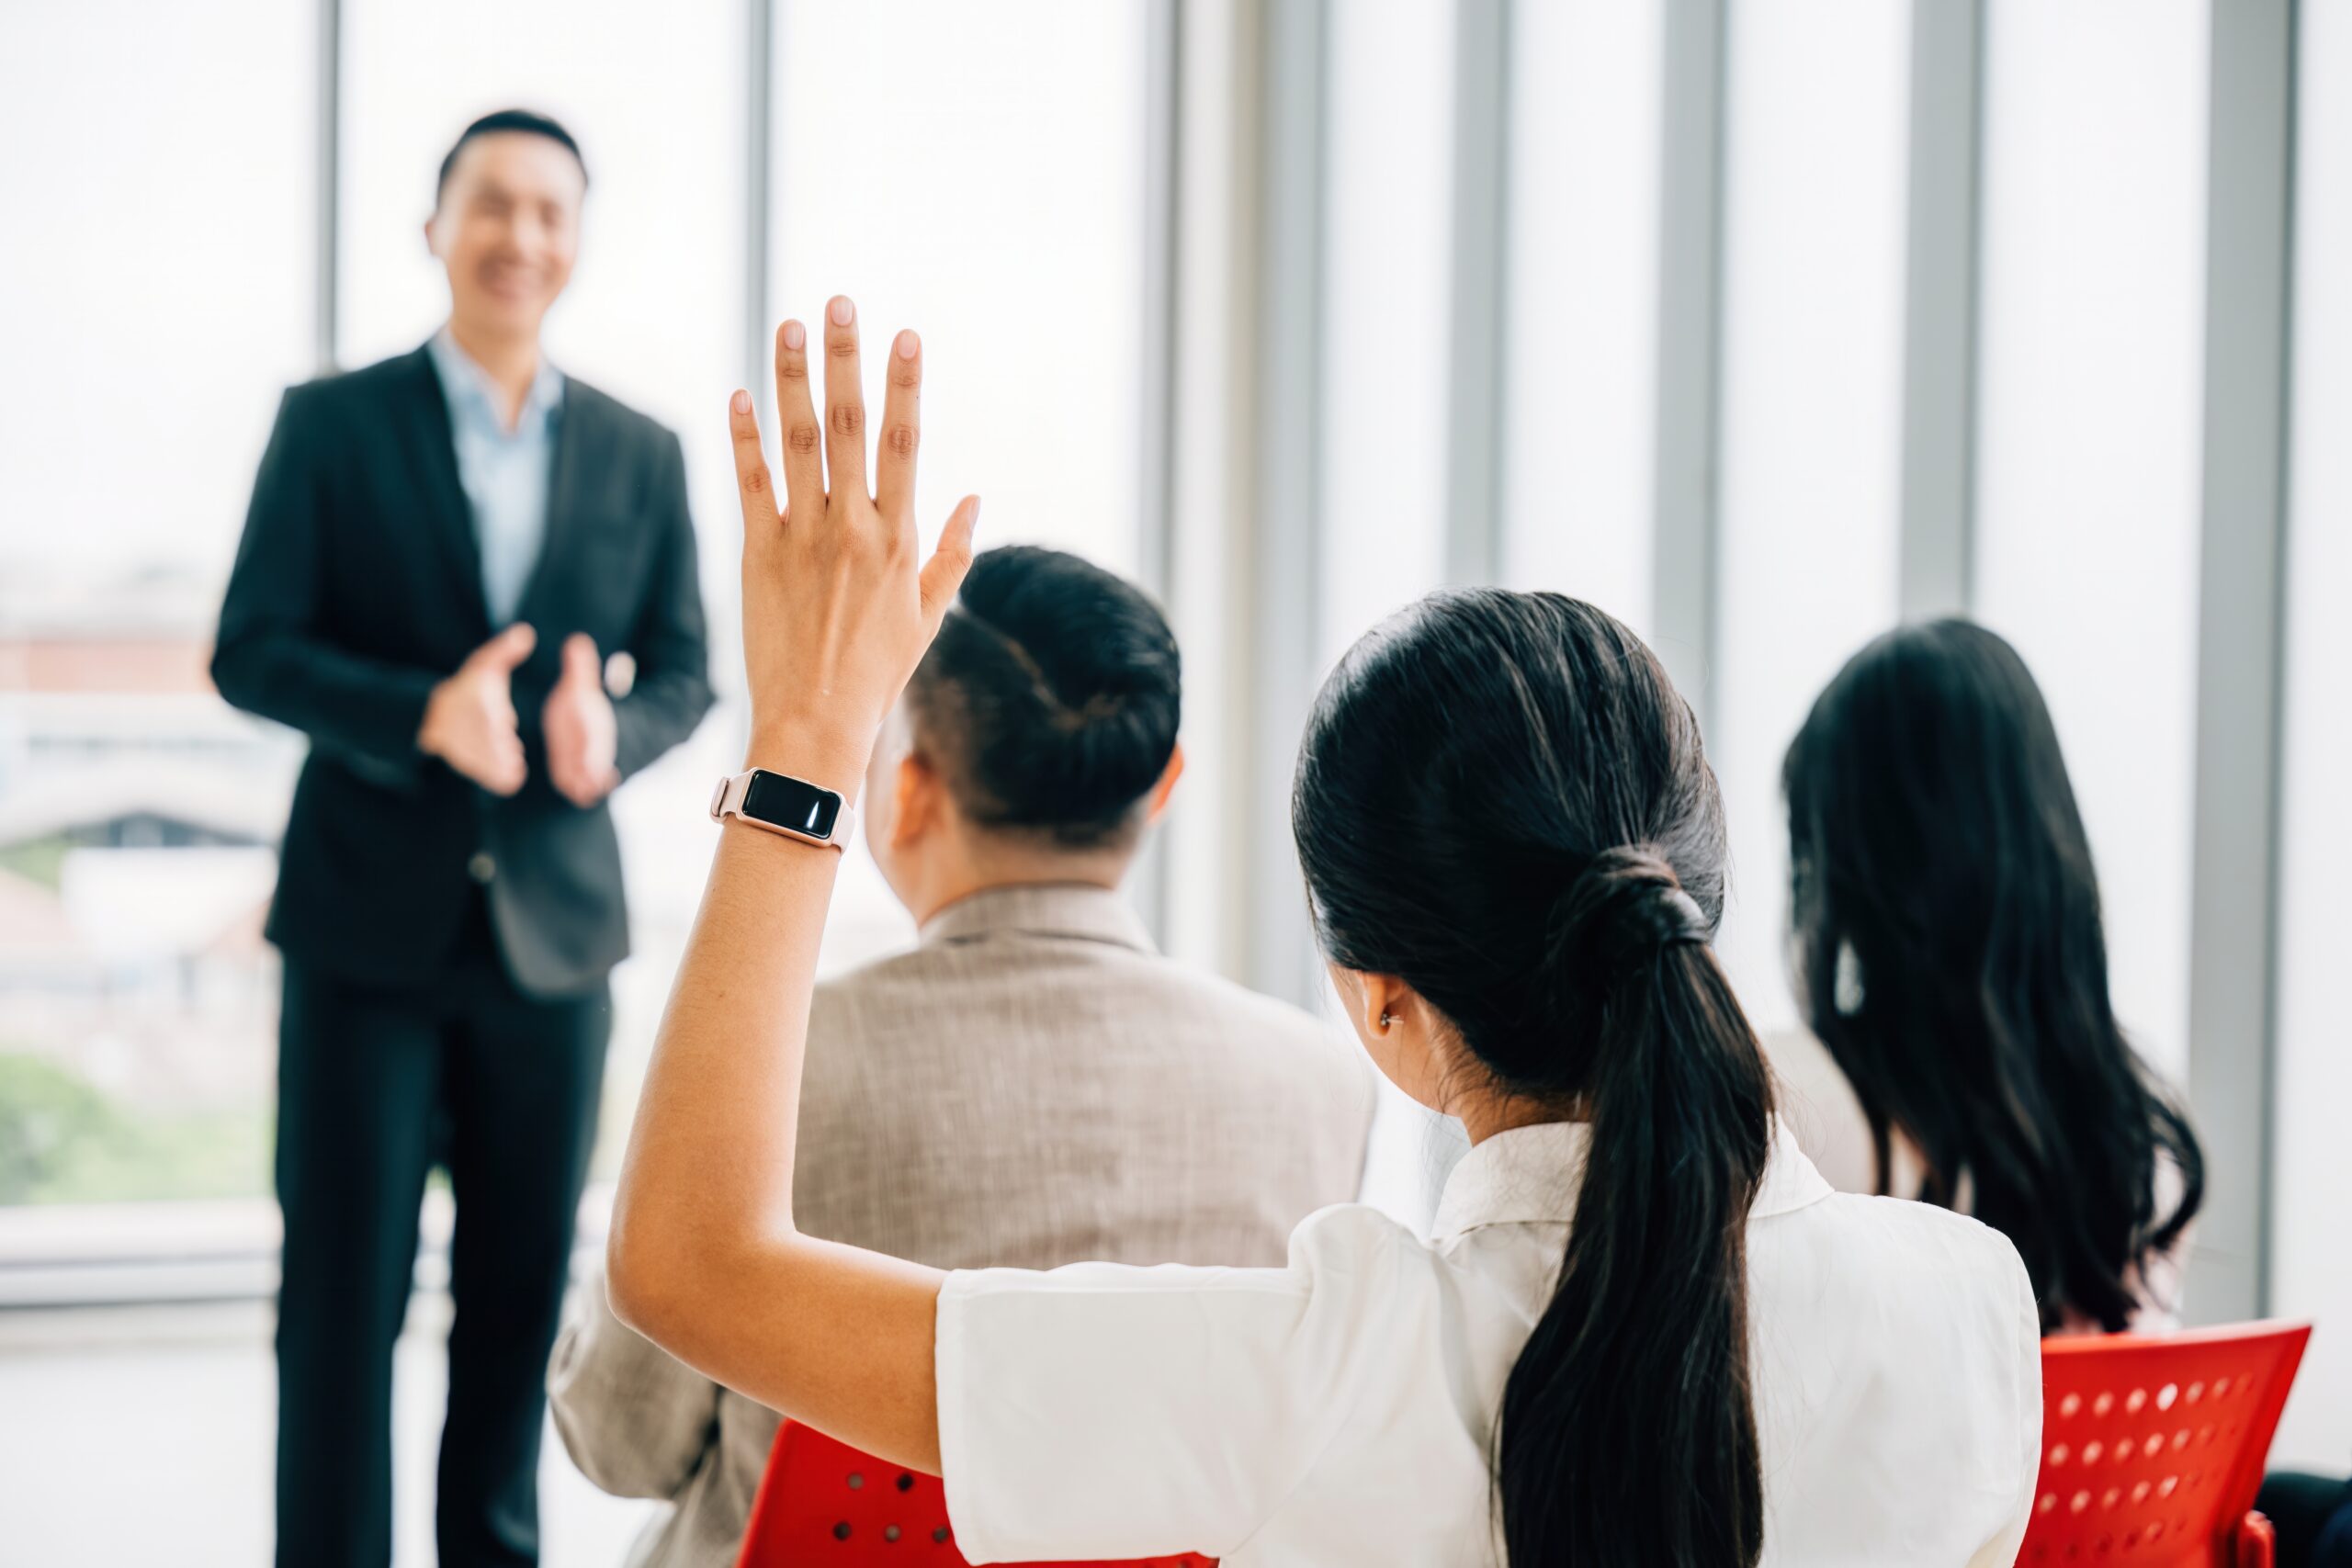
788, 803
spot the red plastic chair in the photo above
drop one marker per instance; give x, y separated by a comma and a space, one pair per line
824, 1502
2153, 1446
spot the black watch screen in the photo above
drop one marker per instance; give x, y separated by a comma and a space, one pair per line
790, 802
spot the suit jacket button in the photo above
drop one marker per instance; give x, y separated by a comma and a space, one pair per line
481, 868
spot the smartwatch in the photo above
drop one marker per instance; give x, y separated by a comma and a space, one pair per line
794, 808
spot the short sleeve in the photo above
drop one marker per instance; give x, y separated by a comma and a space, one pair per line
2025, 1318
1110, 1412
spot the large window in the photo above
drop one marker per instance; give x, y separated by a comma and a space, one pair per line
2089, 416
1579, 406
653, 315
1006, 224
2312, 1271
979, 174
1815, 131
1387, 266
156, 292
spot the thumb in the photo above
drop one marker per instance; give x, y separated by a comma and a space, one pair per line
943, 574
509, 647
579, 660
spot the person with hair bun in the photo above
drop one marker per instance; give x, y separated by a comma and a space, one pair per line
1644, 1329
1032, 1083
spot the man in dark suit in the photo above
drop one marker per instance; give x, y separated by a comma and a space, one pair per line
442, 553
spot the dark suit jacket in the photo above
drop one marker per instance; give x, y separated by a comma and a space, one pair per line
357, 587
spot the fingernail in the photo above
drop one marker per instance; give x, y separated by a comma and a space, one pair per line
742, 401
908, 343
843, 310
795, 334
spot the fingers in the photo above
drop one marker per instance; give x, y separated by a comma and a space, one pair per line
505, 774
942, 574
894, 460
845, 401
509, 647
753, 485
579, 661
560, 727
579, 766
578, 780
575, 784
503, 769
804, 467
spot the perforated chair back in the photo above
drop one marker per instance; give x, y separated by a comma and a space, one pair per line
2153, 1446
824, 1502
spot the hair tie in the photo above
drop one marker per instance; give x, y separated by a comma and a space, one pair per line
1690, 921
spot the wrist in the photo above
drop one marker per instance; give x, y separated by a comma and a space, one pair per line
824, 754
428, 728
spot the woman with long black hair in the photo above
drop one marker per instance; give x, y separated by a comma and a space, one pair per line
1645, 1330
1950, 955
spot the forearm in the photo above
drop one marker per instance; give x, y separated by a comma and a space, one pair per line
704, 1256
671, 643
705, 1259
661, 710
709, 1162
366, 708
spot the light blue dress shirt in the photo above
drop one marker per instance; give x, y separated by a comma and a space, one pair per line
505, 472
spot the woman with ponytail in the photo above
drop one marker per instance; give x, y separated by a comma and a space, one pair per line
1643, 1331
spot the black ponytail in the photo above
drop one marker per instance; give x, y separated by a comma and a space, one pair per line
1502, 801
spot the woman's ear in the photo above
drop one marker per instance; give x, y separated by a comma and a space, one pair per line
1157, 799
1399, 1031
918, 796
1372, 999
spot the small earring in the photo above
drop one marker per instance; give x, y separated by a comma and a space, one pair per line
1385, 1021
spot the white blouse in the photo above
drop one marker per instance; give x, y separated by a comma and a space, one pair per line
1339, 1411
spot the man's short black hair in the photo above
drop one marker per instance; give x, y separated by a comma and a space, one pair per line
1050, 699
523, 120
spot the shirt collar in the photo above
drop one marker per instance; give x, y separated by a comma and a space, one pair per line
1074, 909
470, 388
1529, 1175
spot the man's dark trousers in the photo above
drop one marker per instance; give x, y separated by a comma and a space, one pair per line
375, 1086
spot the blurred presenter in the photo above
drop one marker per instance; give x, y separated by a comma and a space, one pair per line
445, 554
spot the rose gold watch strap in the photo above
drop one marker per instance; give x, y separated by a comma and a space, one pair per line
726, 800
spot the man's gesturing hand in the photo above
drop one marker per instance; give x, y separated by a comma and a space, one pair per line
470, 720
838, 602
578, 723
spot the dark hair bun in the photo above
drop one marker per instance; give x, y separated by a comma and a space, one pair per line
1051, 698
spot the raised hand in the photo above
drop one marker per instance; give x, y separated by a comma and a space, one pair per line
578, 723
838, 604
470, 720
705, 1259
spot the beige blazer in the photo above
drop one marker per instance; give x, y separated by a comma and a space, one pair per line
1032, 1085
